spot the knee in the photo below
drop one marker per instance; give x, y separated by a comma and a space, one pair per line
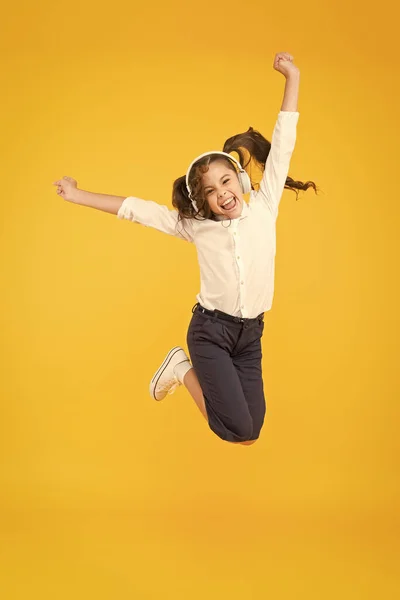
234, 429
243, 430
255, 433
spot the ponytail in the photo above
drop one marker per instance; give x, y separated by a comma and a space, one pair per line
258, 148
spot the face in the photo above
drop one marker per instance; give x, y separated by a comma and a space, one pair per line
219, 184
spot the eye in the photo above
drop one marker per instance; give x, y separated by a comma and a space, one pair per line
226, 181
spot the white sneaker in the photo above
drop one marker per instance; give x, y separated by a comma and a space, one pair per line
165, 381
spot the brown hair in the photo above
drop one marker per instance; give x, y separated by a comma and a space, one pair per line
257, 147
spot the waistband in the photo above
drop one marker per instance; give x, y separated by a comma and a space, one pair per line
225, 316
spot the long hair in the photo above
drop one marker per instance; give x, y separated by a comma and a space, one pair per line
257, 147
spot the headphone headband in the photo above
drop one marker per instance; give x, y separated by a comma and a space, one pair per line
232, 158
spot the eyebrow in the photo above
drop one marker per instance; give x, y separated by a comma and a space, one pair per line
226, 175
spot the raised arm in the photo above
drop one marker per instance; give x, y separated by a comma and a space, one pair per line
283, 137
284, 64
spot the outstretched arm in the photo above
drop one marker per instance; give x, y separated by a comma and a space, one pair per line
137, 210
67, 189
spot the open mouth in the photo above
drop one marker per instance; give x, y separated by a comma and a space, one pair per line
229, 205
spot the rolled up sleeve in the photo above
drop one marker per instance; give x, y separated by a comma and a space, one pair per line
158, 216
278, 161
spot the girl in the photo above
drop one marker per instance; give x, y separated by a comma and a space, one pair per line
236, 246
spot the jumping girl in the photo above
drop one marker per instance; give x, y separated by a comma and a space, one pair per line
236, 245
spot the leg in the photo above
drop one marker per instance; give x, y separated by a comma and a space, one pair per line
215, 385
191, 382
192, 385
177, 368
247, 361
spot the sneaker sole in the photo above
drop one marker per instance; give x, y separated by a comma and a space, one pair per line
160, 371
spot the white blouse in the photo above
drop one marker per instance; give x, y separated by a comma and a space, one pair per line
237, 261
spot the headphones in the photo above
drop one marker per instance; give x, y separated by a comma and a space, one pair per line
243, 177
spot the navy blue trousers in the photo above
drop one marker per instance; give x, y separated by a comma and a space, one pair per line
226, 356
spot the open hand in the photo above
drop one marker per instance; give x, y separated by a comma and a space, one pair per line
66, 188
283, 62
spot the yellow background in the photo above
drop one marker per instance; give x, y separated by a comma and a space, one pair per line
104, 493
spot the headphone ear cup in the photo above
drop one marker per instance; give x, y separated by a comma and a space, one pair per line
245, 182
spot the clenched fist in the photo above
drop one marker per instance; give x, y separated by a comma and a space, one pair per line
66, 188
283, 62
